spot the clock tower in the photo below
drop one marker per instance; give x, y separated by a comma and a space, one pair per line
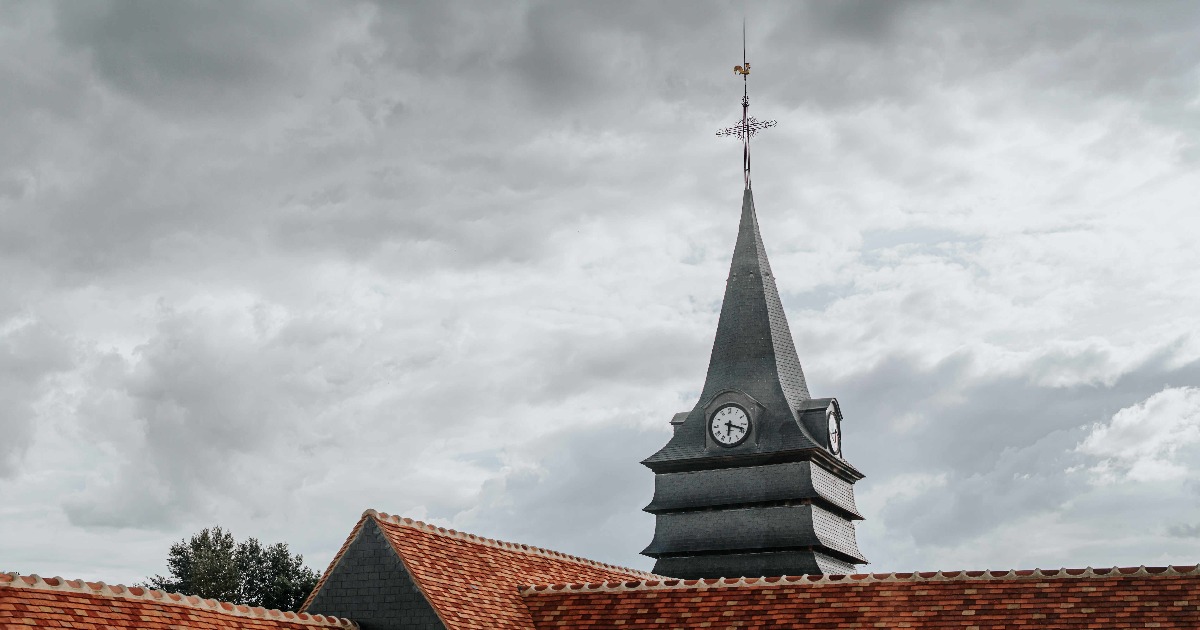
753, 481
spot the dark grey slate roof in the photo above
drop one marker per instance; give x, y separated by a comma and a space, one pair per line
754, 529
731, 487
753, 352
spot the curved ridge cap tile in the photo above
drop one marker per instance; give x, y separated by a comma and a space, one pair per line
503, 544
679, 584
921, 576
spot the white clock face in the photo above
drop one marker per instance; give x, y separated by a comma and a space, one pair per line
835, 431
729, 426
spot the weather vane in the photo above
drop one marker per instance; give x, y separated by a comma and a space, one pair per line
749, 125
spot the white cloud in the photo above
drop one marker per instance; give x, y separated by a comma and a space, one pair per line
1150, 441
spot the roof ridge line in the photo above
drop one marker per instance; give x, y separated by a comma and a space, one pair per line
916, 576
501, 544
37, 582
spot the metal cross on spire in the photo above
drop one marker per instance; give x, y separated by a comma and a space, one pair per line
749, 125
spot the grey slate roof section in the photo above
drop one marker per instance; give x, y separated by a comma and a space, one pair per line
754, 529
767, 564
752, 352
723, 487
371, 587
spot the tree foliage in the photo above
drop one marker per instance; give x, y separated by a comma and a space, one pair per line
213, 565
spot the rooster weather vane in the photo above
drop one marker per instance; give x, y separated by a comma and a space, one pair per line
749, 125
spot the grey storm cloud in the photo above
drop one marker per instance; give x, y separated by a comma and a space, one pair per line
31, 354
270, 264
187, 59
1184, 530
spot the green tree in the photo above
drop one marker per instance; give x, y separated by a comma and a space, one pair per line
212, 565
272, 577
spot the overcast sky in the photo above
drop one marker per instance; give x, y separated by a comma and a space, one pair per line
269, 264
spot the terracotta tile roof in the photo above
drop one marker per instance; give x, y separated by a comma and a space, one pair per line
1163, 597
31, 601
472, 582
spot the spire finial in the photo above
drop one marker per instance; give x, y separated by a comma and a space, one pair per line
748, 126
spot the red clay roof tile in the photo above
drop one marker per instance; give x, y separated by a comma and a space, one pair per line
1061, 599
32, 601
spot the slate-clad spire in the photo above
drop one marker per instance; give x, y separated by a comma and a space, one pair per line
752, 353
753, 342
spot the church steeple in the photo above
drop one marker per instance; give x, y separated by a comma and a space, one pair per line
753, 481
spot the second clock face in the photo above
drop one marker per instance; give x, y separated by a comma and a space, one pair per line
729, 425
835, 431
